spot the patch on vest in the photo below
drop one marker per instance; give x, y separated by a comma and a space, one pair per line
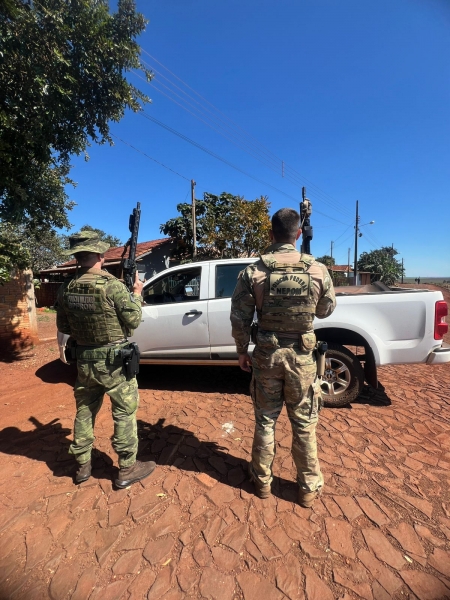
81, 302
289, 284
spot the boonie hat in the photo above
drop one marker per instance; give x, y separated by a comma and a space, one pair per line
86, 241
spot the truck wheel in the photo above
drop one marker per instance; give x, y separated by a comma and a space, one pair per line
344, 377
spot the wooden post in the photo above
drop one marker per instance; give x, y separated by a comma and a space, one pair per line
355, 270
194, 228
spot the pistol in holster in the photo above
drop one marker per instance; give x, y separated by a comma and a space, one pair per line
321, 350
130, 360
254, 331
70, 351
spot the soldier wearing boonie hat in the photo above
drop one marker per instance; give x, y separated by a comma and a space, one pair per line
99, 313
86, 241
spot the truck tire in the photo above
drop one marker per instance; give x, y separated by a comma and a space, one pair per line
344, 377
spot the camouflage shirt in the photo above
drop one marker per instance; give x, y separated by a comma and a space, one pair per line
126, 306
249, 292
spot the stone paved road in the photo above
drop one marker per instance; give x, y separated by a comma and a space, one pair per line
194, 529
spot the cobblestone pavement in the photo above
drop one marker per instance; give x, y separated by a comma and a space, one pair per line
194, 529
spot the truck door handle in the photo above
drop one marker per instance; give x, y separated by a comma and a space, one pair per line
193, 312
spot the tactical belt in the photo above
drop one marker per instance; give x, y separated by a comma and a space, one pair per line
104, 351
292, 341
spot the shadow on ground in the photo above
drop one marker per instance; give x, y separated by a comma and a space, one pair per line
57, 372
48, 443
178, 447
222, 380
373, 397
176, 378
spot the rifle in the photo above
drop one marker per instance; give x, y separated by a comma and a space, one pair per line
307, 230
129, 266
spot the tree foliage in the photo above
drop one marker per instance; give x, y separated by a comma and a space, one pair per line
326, 260
383, 264
61, 83
112, 240
227, 226
38, 250
13, 255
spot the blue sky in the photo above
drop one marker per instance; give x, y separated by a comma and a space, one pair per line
354, 96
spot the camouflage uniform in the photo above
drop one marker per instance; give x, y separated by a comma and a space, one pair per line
98, 312
284, 366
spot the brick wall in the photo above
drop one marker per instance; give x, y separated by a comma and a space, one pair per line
18, 323
47, 293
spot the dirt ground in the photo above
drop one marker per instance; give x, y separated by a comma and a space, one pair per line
194, 529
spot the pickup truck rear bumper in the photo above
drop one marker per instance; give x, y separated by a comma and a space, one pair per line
439, 356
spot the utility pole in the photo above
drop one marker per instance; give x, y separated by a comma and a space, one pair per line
331, 253
307, 230
194, 227
402, 270
348, 265
355, 270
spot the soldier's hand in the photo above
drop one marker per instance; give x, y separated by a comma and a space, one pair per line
245, 362
138, 285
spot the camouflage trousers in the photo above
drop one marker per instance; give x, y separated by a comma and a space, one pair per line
285, 374
97, 376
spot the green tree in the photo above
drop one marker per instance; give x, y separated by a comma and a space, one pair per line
326, 260
112, 240
383, 264
62, 81
41, 249
227, 226
12, 254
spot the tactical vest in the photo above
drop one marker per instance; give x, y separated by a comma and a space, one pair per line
288, 304
93, 320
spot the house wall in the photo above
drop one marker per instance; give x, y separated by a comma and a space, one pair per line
47, 293
157, 260
18, 322
154, 262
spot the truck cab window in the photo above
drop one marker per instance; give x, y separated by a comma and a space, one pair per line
179, 286
226, 279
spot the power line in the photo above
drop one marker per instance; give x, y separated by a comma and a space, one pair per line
263, 154
372, 236
246, 148
343, 241
342, 234
371, 241
225, 161
150, 157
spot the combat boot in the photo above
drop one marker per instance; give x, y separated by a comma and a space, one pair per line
262, 490
140, 470
306, 499
83, 473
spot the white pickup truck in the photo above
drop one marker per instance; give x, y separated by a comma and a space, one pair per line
186, 321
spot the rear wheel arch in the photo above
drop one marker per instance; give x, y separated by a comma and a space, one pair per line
347, 337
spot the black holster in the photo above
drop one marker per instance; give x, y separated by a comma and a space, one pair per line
254, 331
130, 360
70, 351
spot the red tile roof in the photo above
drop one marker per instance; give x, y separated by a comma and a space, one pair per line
115, 254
